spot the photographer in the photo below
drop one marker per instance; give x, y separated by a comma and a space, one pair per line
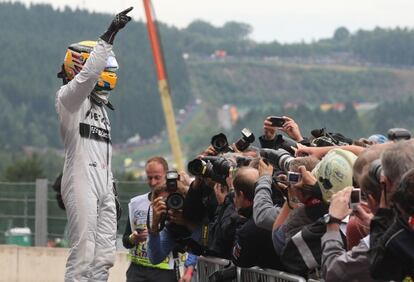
136, 230
169, 230
297, 238
340, 265
252, 245
222, 230
270, 139
395, 161
266, 208
337, 263
394, 256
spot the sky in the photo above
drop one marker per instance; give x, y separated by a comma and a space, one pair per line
286, 21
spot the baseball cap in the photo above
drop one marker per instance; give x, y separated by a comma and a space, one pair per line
378, 138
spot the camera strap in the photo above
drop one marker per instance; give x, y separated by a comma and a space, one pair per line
176, 258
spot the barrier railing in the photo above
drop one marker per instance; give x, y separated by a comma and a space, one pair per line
207, 266
33, 205
256, 274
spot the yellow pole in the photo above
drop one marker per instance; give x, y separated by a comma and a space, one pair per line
170, 123
163, 87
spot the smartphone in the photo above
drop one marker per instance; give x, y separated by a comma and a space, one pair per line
355, 198
293, 177
277, 121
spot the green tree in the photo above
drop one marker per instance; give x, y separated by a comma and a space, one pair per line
236, 30
341, 34
26, 169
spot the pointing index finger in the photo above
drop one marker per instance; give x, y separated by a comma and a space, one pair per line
124, 12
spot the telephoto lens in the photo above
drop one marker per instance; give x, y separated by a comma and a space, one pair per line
216, 168
221, 165
279, 158
199, 167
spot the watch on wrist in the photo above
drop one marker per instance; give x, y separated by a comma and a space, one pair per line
327, 218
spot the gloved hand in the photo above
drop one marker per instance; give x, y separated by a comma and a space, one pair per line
117, 23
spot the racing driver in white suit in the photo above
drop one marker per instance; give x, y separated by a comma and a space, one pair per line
88, 73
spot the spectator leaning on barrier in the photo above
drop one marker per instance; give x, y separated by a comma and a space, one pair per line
394, 254
340, 265
222, 230
88, 75
297, 239
253, 245
337, 263
358, 224
264, 210
265, 207
395, 161
136, 230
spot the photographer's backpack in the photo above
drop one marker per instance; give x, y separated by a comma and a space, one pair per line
303, 252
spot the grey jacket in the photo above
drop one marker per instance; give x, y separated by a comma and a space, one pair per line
264, 211
340, 265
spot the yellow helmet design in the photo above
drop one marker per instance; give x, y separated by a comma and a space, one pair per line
75, 58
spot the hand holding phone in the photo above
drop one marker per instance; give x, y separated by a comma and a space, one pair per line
355, 198
277, 121
294, 177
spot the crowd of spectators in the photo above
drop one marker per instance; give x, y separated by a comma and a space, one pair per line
324, 207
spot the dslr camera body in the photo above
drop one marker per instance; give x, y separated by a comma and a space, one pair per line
221, 145
175, 201
322, 138
215, 167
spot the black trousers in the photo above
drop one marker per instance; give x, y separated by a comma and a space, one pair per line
139, 273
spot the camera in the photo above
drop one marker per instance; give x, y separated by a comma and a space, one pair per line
323, 142
355, 198
220, 143
172, 177
243, 160
277, 121
279, 158
216, 168
247, 138
375, 170
293, 177
175, 201
324, 138
397, 134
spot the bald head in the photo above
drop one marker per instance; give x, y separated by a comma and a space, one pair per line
245, 181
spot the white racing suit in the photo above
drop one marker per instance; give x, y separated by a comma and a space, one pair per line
87, 188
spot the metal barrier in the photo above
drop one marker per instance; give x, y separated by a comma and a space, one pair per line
256, 274
33, 205
206, 266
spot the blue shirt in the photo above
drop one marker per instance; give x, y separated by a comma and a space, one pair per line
162, 243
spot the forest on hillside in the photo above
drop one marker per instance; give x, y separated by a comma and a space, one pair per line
34, 42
